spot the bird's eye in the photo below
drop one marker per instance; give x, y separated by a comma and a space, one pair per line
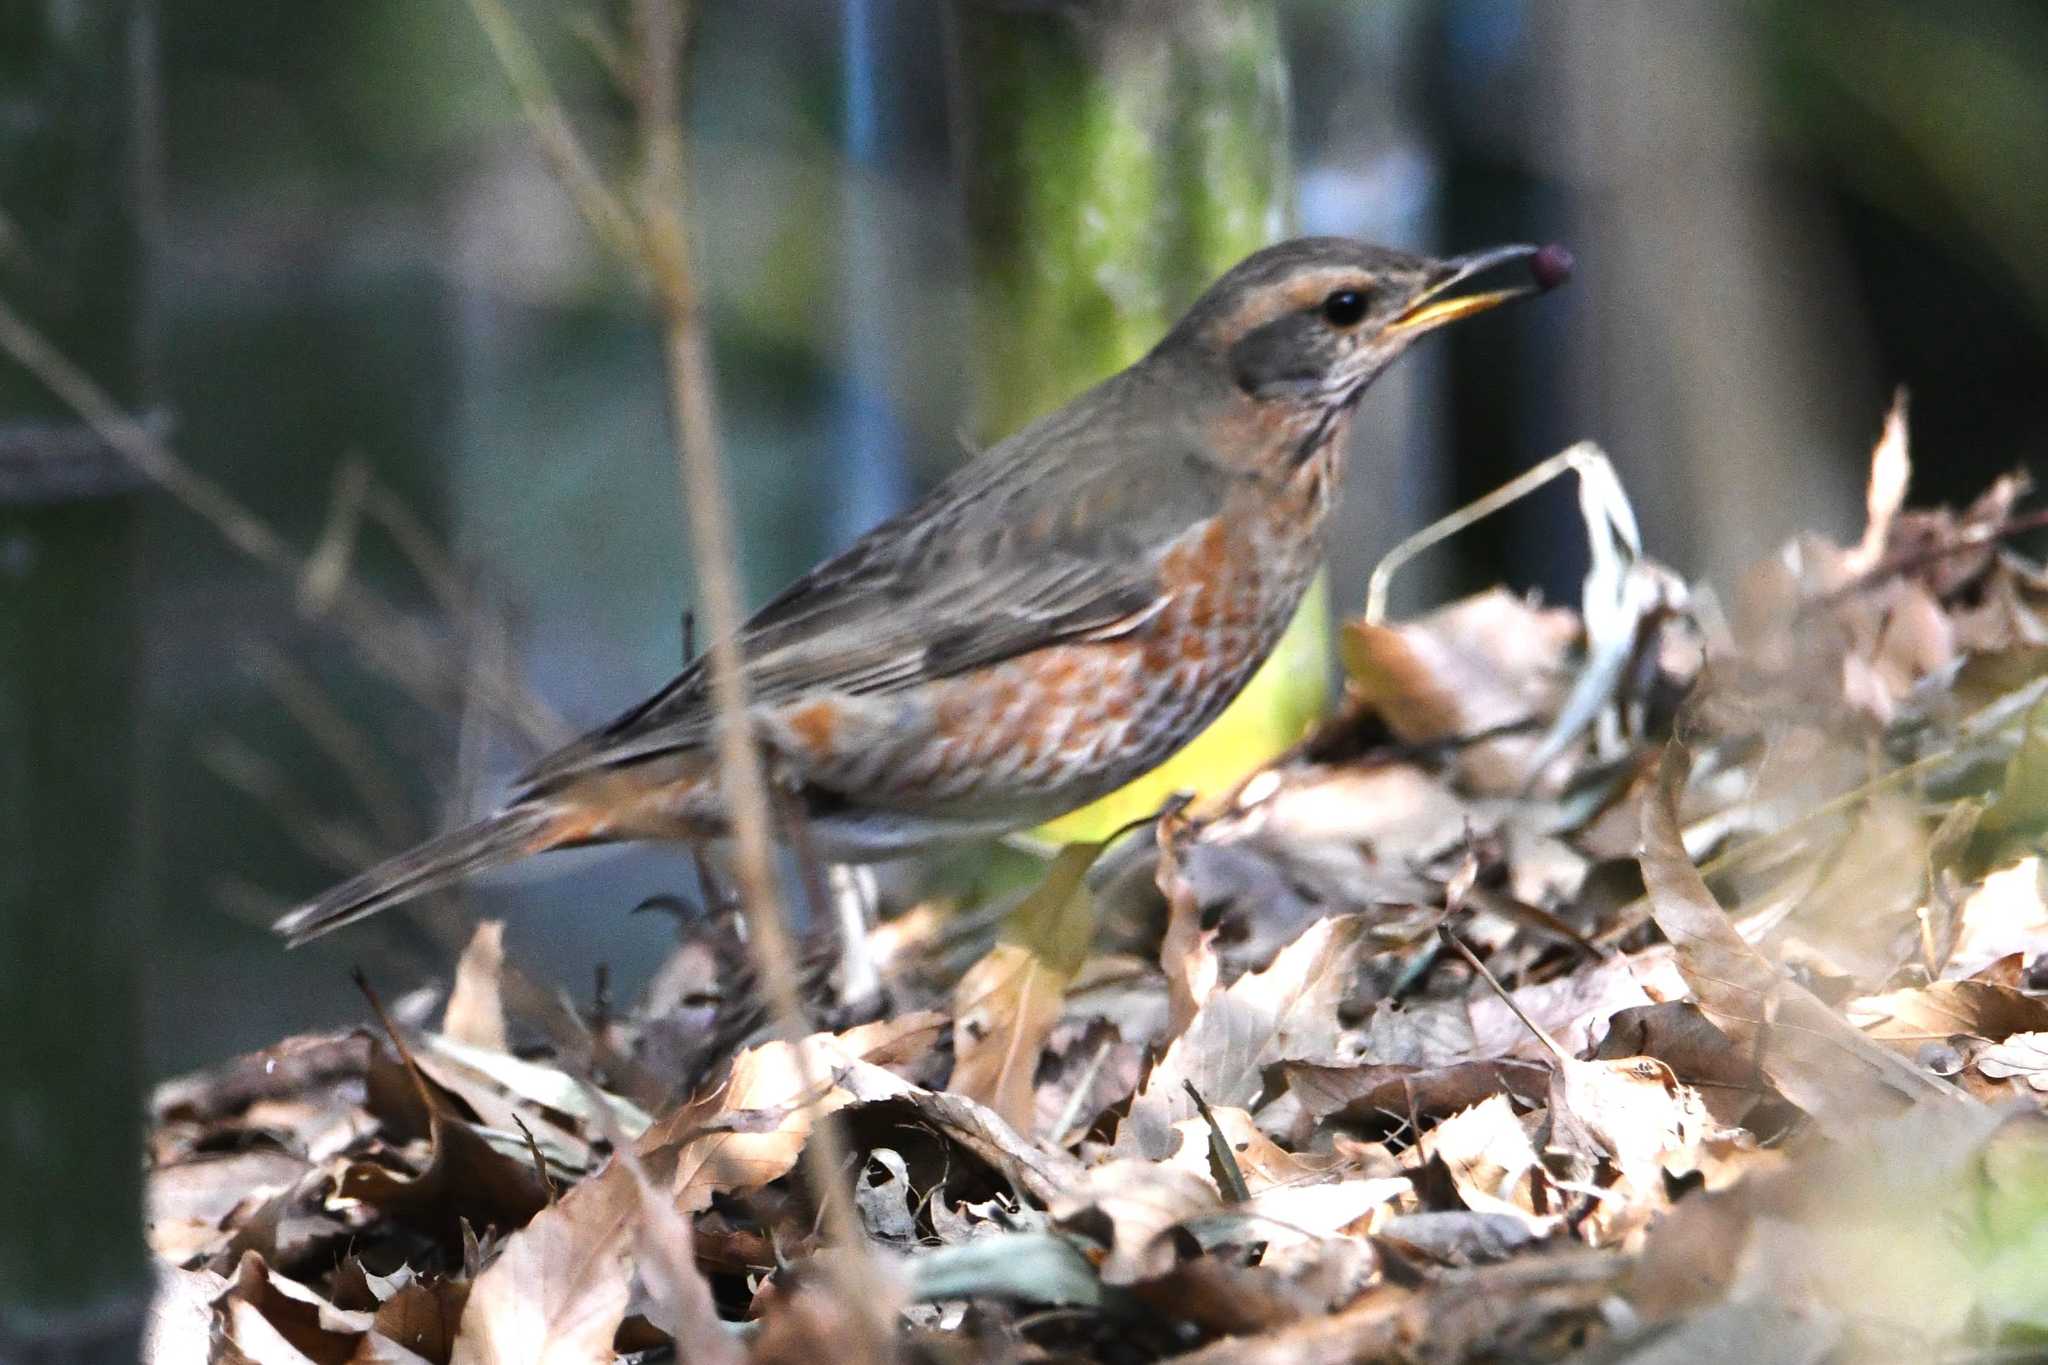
1345, 308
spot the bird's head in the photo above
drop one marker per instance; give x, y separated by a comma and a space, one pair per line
1307, 324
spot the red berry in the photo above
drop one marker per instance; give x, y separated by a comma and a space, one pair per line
1551, 266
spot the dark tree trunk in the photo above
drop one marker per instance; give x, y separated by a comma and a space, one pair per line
74, 1277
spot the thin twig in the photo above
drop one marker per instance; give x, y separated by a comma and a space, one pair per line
607, 215
388, 638
353, 751
1914, 559
660, 30
1978, 728
1507, 998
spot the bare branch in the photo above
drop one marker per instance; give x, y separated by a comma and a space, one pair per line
390, 639
573, 166
660, 30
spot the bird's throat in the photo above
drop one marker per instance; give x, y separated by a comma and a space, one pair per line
1314, 481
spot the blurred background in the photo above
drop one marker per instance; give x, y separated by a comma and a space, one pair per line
316, 247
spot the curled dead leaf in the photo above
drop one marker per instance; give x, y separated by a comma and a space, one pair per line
1289, 1012
705, 1156
1812, 1054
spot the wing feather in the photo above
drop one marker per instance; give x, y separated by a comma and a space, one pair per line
1052, 537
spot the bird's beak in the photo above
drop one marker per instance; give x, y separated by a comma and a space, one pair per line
1432, 310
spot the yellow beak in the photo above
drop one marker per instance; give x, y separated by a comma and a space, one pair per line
1432, 310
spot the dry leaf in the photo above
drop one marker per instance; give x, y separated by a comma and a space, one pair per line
1132, 1210
558, 1291
1005, 1007
196, 1208
1487, 1153
1355, 1094
678, 1299
1187, 951
2006, 913
1684, 1039
476, 1009
1227, 1299
710, 1154
1813, 1055
1573, 1009
804, 1320
274, 1320
1930, 1013
2022, 1055
466, 1179
1286, 1013
1891, 470
181, 1316
424, 1316
1634, 1115
1488, 661
1281, 1216
1497, 1312
1261, 1161
1089, 1066
1459, 1237
1037, 1170
1350, 836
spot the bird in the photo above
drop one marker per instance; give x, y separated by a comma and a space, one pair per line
1054, 619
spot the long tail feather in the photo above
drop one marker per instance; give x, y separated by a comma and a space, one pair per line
500, 838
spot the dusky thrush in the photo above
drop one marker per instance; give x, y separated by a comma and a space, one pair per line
1057, 617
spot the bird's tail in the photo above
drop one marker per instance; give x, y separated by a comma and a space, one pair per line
515, 832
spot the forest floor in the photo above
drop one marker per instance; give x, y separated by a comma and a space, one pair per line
1663, 979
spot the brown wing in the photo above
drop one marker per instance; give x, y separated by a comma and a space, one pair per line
1051, 537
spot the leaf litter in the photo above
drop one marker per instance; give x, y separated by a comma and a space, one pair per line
1650, 980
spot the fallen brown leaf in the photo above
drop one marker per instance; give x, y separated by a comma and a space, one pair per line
1367, 1092
1813, 1055
1005, 1007
1684, 1039
1928, 1013
1286, 1013
423, 1316
180, 1325
1631, 1113
1133, 1210
466, 1178
1004, 1010
1499, 1312
476, 1007
1039, 1171
1574, 1008
1262, 1162
1485, 662
708, 1155
1488, 1156
559, 1289
2005, 913
272, 1319
1187, 950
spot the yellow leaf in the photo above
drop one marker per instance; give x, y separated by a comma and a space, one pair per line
1006, 1005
